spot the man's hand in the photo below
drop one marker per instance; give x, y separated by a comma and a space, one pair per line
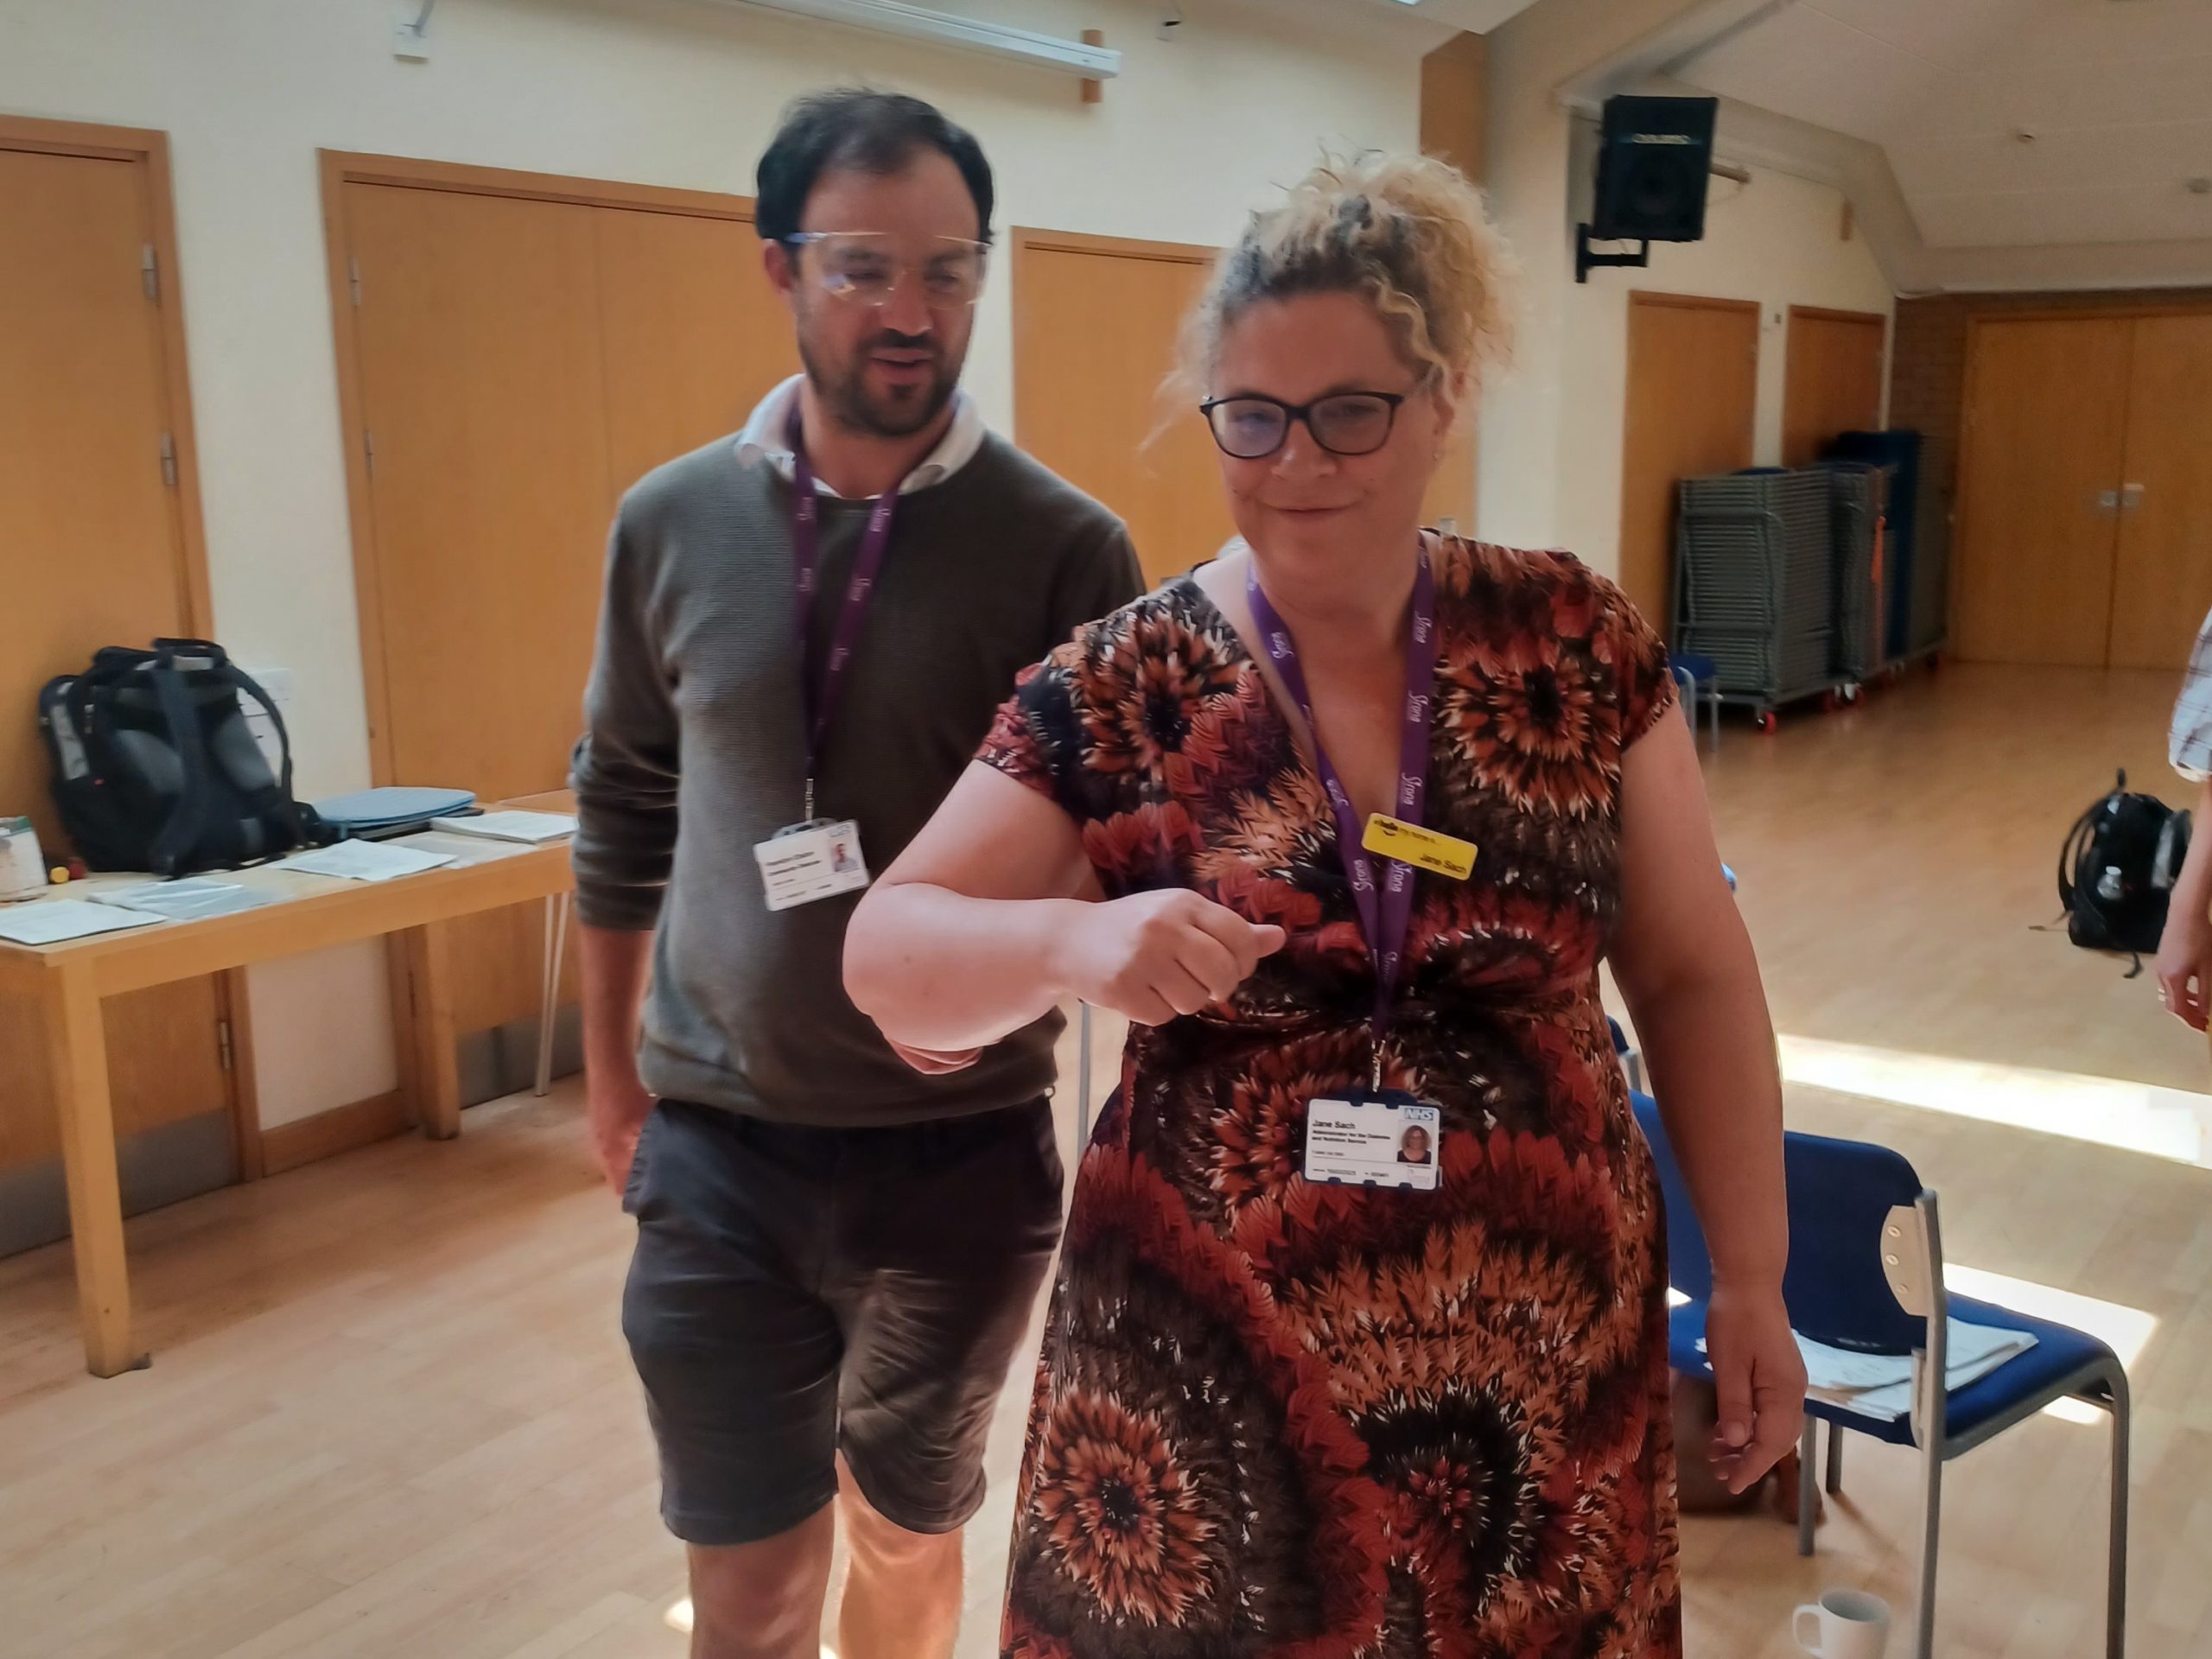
2184, 965
616, 1107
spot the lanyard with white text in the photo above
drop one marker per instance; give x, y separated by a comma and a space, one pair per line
1385, 914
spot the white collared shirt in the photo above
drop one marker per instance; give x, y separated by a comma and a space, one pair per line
766, 437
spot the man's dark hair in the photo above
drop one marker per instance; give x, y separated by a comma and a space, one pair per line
869, 132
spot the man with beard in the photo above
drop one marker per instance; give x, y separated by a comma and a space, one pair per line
806, 632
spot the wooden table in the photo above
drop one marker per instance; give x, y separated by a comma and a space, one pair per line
68, 982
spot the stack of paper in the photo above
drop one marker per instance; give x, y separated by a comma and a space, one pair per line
1881, 1385
365, 861
56, 921
530, 827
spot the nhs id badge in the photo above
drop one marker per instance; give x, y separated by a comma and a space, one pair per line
810, 862
1374, 1138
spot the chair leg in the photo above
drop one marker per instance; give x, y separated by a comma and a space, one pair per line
2116, 1565
1835, 1459
1931, 1522
1808, 1496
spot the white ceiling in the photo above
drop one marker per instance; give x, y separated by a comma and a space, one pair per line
1478, 16
2117, 94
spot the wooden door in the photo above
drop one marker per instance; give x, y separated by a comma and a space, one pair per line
1832, 379
523, 350
2041, 456
2162, 577
1693, 390
1096, 321
93, 549
1454, 105
485, 410
693, 335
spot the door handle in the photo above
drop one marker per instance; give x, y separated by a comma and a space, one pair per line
2130, 497
2108, 500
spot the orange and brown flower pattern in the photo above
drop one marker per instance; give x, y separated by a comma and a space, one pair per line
1279, 1420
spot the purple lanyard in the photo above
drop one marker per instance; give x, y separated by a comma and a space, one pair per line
823, 684
1385, 916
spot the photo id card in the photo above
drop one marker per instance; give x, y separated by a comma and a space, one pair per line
810, 862
1374, 1139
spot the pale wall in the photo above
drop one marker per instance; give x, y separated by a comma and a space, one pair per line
659, 91
1552, 429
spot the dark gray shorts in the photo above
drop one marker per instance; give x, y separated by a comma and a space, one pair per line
797, 1293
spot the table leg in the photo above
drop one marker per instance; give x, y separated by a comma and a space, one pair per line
76, 1058
436, 1068
549, 1000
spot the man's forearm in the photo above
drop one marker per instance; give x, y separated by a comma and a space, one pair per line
617, 963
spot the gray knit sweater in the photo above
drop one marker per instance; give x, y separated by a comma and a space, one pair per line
693, 752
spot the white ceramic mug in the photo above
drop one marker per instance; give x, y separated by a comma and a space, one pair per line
1845, 1624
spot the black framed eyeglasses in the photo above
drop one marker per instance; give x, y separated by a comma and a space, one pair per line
1252, 428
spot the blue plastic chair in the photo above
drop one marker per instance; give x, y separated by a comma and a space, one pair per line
1865, 1267
1699, 677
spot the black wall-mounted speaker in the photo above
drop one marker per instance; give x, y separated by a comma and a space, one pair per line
1653, 157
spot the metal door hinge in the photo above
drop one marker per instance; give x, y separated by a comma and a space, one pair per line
149, 271
353, 276
223, 1042
169, 460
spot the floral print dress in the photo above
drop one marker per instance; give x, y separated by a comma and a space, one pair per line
1310, 1421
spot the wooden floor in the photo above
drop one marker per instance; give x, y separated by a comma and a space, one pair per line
391, 1414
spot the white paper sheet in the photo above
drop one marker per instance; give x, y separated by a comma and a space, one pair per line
366, 861
529, 826
1881, 1385
56, 921
192, 899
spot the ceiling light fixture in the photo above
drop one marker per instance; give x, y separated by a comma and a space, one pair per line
961, 34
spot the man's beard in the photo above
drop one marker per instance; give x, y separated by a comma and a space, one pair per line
849, 401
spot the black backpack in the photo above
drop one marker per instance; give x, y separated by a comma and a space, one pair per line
156, 769
2117, 870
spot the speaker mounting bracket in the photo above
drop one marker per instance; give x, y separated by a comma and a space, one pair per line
1586, 261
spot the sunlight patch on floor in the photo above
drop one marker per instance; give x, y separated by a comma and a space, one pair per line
2126, 1116
2125, 1330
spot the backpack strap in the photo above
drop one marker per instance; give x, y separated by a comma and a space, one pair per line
246, 686
182, 832
2069, 853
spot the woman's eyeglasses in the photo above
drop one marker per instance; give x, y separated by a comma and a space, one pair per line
867, 267
1346, 423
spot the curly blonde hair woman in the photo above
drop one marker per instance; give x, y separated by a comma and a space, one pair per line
1299, 1399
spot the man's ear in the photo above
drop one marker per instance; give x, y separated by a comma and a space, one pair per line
777, 264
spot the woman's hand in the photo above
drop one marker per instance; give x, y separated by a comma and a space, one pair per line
1759, 1377
2184, 966
1154, 955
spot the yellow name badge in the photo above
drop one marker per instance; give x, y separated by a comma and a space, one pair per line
1427, 849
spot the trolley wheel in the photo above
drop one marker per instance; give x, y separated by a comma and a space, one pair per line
1768, 723
1851, 692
